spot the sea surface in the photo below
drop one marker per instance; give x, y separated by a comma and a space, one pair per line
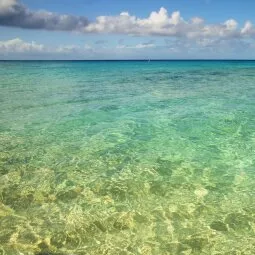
127, 158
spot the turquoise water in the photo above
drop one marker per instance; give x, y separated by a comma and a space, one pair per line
127, 158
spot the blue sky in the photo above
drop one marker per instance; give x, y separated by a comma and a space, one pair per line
170, 29
212, 10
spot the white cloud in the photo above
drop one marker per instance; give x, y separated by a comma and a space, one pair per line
197, 20
158, 23
248, 29
6, 4
137, 46
231, 24
172, 48
165, 24
19, 46
67, 48
145, 45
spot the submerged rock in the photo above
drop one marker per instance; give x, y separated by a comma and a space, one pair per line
58, 239
67, 195
196, 243
100, 226
124, 221
237, 221
164, 167
158, 188
219, 226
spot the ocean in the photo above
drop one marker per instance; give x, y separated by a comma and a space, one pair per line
127, 157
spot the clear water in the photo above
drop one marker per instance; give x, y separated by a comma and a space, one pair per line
127, 158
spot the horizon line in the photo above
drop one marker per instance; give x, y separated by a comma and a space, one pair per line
142, 60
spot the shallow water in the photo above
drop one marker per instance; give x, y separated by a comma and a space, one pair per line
127, 158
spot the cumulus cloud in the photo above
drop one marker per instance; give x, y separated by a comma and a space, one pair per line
13, 13
159, 23
248, 29
165, 24
19, 46
172, 48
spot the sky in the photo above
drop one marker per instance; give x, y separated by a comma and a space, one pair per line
127, 29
